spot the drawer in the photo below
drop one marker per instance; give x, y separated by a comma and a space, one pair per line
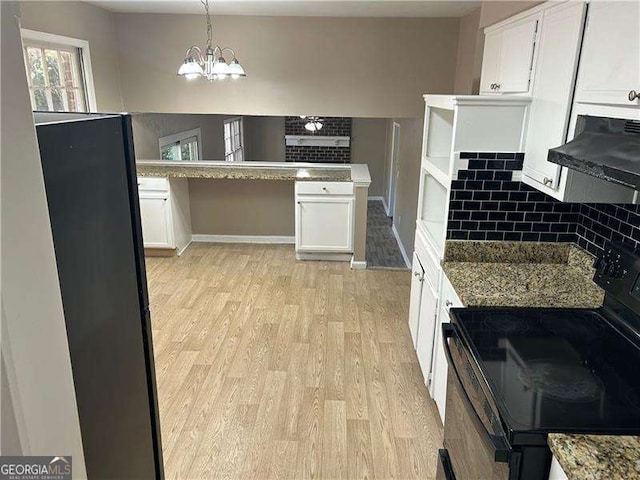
153, 184
430, 263
324, 188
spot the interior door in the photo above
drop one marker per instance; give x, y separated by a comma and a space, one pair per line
557, 62
516, 56
426, 327
417, 278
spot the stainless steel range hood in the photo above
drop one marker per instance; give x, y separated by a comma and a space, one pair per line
607, 148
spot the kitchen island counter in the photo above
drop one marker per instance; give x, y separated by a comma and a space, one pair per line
246, 171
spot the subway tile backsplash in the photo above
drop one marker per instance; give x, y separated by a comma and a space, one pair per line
487, 204
332, 126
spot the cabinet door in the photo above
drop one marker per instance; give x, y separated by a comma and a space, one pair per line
516, 56
610, 58
426, 327
438, 387
417, 277
156, 222
490, 61
324, 224
556, 65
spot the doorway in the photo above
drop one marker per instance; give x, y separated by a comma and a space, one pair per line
393, 168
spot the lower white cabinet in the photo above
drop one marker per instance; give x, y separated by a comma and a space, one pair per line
417, 278
556, 472
440, 368
165, 213
427, 327
156, 221
324, 217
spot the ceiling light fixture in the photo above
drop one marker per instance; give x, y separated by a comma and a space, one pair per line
212, 64
313, 124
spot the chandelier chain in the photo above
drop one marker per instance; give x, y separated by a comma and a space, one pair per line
209, 26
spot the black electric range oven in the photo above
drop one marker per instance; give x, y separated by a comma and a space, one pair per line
517, 374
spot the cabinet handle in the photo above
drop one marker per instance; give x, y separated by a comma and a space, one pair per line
299, 203
448, 303
419, 275
633, 95
547, 181
492, 86
325, 189
498, 86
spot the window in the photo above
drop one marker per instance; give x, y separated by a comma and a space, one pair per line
182, 146
233, 141
57, 72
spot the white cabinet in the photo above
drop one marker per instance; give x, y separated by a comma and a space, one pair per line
556, 65
556, 472
165, 213
156, 221
324, 217
508, 56
417, 277
610, 60
438, 387
427, 326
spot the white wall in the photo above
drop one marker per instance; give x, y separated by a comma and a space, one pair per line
34, 340
355, 67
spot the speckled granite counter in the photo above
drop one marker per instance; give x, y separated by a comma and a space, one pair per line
543, 275
521, 274
597, 457
245, 171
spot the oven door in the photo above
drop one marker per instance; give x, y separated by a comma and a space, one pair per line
473, 437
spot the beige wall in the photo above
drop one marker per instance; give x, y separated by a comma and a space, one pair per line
408, 182
369, 145
360, 67
35, 351
264, 139
469, 57
495, 11
241, 207
86, 22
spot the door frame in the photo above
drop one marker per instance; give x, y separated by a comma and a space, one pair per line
393, 173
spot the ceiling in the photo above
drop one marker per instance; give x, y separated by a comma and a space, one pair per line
295, 8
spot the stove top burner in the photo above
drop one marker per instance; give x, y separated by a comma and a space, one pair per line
571, 383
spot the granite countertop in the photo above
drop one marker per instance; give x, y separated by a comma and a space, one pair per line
597, 457
244, 171
555, 275
522, 274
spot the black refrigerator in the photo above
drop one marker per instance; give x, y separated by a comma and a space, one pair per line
90, 182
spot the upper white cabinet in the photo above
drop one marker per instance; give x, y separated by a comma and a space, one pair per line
508, 56
324, 217
559, 59
610, 60
556, 66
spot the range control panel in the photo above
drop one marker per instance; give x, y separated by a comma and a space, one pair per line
618, 273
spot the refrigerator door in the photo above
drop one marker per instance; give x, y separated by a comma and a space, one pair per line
87, 167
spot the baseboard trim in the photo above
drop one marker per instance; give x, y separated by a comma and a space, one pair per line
159, 252
181, 250
384, 203
332, 257
407, 262
358, 264
275, 239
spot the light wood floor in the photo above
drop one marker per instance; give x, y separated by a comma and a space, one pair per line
271, 368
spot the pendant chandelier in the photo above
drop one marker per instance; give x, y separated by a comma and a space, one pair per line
211, 64
312, 123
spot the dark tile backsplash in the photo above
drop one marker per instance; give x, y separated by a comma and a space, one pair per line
487, 204
331, 126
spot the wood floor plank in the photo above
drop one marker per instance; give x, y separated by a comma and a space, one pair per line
271, 368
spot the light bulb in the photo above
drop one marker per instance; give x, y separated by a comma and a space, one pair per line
191, 76
235, 76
